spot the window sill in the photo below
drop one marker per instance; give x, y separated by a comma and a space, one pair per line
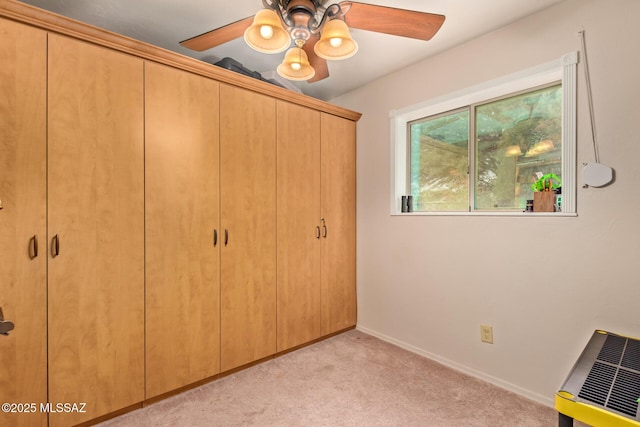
494, 214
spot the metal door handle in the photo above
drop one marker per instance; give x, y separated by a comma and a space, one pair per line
33, 247
324, 228
215, 238
317, 232
5, 325
55, 246
226, 236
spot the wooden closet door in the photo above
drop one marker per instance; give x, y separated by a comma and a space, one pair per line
23, 275
339, 211
182, 216
299, 225
248, 218
96, 210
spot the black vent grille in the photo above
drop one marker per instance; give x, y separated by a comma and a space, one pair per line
612, 349
614, 379
598, 383
625, 392
631, 357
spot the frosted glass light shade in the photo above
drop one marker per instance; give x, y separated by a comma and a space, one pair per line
295, 65
335, 41
266, 33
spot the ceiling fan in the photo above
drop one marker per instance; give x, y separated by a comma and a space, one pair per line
318, 31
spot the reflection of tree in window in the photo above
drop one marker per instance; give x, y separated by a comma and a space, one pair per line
517, 137
439, 159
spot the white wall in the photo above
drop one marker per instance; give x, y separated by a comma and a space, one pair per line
545, 284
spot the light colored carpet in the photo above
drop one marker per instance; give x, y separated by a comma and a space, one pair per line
352, 379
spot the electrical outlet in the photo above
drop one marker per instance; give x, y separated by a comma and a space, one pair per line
486, 334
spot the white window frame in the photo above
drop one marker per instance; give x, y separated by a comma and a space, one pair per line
563, 69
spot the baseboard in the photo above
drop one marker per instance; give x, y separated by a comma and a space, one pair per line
547, 401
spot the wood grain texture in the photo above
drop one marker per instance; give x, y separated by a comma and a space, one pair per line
96, 207
248, 212
394, 21
298, 204
23, 280
338, 282
218, 36
182, 212
319, 64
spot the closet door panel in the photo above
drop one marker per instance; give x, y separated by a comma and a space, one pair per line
248, 223
96, 222
23, 277
182, 217
339, 210
299, 225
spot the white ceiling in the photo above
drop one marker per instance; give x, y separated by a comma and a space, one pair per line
165, 23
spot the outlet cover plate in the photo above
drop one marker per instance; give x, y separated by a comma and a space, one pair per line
486, 334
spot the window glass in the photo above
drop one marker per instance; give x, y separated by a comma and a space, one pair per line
517, 138
439, 161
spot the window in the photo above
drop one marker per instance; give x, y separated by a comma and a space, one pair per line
515, 137
480, 151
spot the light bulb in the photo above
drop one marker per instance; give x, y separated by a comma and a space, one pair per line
295, 66
266, 31
335, 42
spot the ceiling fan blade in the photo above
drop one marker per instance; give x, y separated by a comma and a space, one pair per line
318, 64
218, 36
389, 20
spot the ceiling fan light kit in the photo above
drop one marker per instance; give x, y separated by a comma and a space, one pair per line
266, 34
295, 65
297, 21
336, 42
319, 33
